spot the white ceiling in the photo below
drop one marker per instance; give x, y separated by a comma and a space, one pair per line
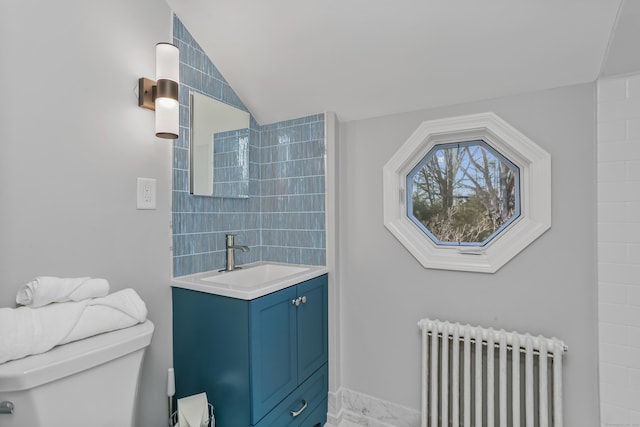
368, 58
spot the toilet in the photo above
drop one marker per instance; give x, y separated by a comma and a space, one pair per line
90, 382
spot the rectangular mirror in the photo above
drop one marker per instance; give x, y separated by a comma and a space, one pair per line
219, 148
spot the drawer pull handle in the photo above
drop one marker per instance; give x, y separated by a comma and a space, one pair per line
299, 411
7, 407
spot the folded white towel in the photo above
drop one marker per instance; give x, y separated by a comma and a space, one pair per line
115, 311
44, 290
25, 330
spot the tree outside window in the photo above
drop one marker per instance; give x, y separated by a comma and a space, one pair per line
463, 193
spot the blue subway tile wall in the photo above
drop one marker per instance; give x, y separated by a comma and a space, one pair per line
283, 219
200, 223
292, 160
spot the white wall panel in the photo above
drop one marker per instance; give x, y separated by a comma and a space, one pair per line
618, 248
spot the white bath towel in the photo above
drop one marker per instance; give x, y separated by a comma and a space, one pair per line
44, 290
25, 330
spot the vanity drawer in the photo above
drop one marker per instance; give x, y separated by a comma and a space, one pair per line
318, 417
312, 392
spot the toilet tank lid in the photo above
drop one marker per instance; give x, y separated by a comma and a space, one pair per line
74, 357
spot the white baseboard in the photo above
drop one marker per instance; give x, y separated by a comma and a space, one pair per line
334, 410
348, 408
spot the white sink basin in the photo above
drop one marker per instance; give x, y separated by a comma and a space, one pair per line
250, 282
253, 276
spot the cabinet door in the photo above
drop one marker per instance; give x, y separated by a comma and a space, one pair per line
211, 352
273, 350
312, 326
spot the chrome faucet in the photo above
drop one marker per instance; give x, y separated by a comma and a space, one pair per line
231, 256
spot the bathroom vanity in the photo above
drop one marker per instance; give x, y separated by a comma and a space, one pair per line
256, 342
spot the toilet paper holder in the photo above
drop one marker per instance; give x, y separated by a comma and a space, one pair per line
211, 422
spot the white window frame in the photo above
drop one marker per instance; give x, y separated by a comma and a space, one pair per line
535, 192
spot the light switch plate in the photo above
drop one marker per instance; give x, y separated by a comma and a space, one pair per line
146, 190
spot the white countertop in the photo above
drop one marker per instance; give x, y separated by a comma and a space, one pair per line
249, 282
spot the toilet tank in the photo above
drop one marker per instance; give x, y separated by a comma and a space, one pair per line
91, 382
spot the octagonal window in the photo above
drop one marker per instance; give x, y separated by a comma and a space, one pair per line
463, 193
467, 193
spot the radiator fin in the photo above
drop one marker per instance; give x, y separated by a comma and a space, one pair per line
477, 377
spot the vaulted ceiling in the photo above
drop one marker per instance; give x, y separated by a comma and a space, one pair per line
364, 58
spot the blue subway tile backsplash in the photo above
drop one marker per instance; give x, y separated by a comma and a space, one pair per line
283, 219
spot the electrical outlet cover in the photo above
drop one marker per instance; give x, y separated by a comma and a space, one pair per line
146, 193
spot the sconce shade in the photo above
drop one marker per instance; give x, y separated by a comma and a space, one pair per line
167, 62
167, 118
167, 77
162, 95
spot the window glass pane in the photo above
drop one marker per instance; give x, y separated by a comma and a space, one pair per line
463, 193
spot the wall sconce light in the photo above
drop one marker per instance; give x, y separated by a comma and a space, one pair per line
162, 95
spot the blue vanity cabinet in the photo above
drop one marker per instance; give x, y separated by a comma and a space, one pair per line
288, 343
259, 361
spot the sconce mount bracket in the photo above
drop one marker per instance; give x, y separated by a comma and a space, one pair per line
146, 93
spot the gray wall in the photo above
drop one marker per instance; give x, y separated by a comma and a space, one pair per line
549, 289
73, 143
